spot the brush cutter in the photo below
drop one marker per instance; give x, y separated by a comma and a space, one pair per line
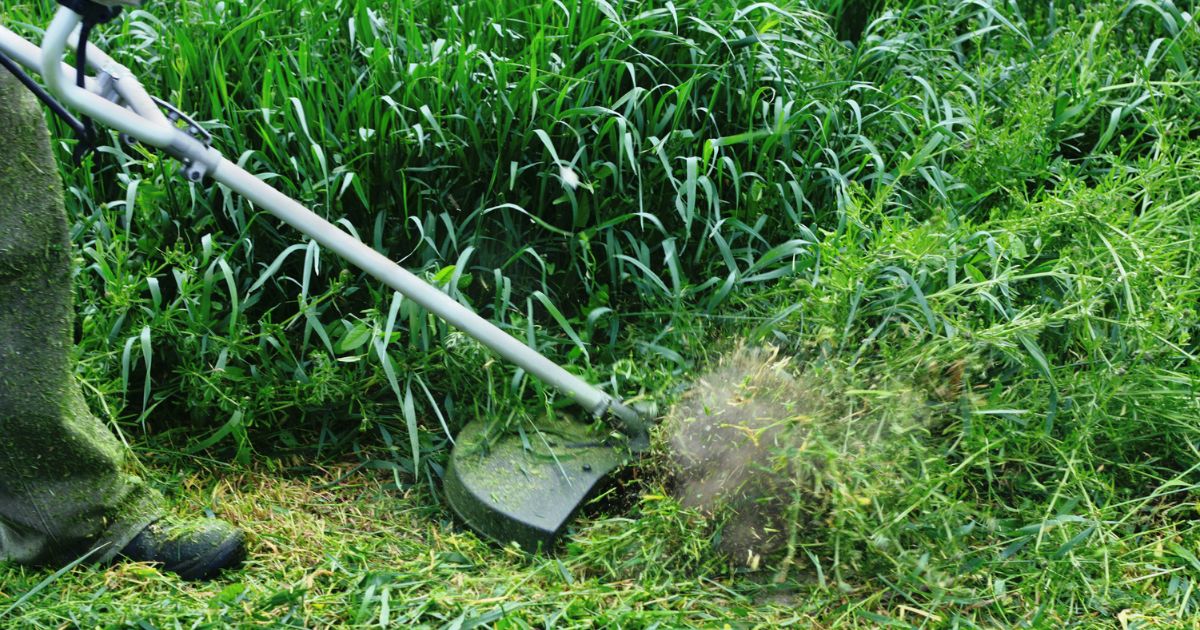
518, 487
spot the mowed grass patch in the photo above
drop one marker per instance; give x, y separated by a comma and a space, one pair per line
341, 547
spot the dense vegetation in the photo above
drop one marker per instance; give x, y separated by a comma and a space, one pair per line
987, 206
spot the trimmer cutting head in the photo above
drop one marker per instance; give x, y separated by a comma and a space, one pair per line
524, 486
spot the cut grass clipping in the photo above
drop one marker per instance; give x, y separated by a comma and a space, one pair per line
769, 453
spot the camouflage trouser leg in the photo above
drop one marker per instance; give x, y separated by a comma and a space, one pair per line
62, 490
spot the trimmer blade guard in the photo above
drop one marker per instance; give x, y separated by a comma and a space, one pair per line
525, 486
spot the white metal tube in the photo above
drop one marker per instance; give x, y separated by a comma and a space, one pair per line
110, 114
27, 54
412, 287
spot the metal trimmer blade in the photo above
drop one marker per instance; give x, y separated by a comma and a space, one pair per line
525, 486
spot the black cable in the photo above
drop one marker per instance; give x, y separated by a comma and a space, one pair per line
81, 52
87, 140
42, 95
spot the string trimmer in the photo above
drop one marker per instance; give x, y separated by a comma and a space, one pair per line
512, 487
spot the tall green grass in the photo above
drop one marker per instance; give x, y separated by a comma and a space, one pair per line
995, 201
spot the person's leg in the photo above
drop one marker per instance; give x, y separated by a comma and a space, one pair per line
62, 489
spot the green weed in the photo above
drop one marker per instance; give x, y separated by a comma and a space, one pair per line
992, 201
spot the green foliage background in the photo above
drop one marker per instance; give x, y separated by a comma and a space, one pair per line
995, 200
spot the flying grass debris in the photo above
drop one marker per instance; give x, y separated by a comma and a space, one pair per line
766, 452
